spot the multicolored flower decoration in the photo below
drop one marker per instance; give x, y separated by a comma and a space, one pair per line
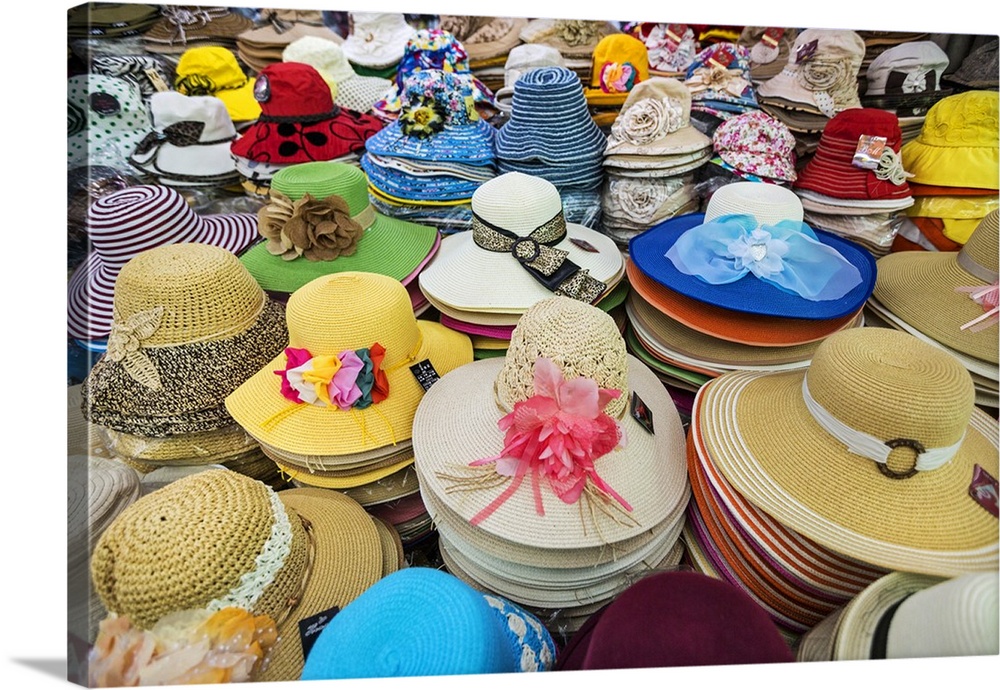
617, 78
423, 119
352, 378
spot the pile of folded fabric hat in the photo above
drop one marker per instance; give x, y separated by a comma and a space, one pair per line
263, 46
855, 185
610, 507
575, 39
954, 166
110, 20
214, 71
190, 26
107, 119
769, 47
670, 48
335, 409
299, 123
425, 166
350, 90
522, 58
906, 80
725, 290
720, 85
620, 62
550, 134
650, 162
488, 42
819, 80
377, 42
521, 239
752, 146
319, 221
190, 324
948, 299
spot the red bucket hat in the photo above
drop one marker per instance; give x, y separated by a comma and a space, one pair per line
299, 122
835, 170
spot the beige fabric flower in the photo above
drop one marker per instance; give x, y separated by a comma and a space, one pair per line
648, 120
576, 32
318, 229
638, 200
271, 221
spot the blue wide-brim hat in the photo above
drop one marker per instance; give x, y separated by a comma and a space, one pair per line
550, 121
426, 622
467, 143
770, 205
424, 187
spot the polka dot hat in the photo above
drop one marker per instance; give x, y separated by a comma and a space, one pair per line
107, 118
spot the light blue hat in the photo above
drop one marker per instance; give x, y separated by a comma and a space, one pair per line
425, 622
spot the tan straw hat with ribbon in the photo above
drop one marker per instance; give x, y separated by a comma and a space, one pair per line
876, 452
619, 477
951, 297
218, 538
350, 377
190, 324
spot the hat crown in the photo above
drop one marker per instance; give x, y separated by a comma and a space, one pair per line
848, 126
891, 385
528, 56
171, 107
754, 132
215, 63
580, 339
321, 179
364, 22
295, 90
620, 48
434, 49
914, 57
657, 88
191, 542
830, 44
517, 202
141, 214
322, 53
969, 119
768, 204
983, 245
93, 84
353, 310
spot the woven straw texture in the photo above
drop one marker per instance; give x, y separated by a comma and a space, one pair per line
344, 481
818, 643
889, 385
201, 448
344, 463
386, 317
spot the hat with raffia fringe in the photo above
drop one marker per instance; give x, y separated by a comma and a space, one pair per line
349, 380
895, 466
566, 358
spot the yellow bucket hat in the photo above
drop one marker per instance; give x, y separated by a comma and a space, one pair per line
354, 370
214, 71
620, 62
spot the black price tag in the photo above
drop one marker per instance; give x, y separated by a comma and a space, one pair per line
310, 628
425, 374
641, 413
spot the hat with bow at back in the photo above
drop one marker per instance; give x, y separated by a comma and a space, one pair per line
620, 62
107, 118
752, 253
906, 78
377, 39
124, 223
353, 91
214, 71
300, 122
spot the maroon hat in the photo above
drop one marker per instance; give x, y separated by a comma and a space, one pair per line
299, 122
676, 619
833, 170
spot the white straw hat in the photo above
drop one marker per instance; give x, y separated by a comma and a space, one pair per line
378, 39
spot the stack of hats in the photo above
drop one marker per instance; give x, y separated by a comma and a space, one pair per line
608, 486
107, 118
222, 540
408, 515
263, 46
107, 20
376, 42
189, 144
214, 71
520, 239
299, 124
910, 616
879, 42
855, 185
335, 408
190, 325
755, 147
319, 221
391, 629
979, 68
551, 135
728, 291
620, 62
954, 164
522, 58
948, 299
189, 26
720, 85
575, 39
425, 165
488, 41
671, 48
350, 90
650, 160
906, 79
819, 80
769, 48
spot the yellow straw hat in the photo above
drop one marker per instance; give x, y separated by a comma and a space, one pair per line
328, 317
908, 495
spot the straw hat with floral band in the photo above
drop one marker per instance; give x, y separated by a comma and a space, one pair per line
519, 233
122, 224
181, 26
950, 297
318, 221
756, 144
752, 253
885, 457
353, 91
190, 325
567, 362
218, 539
214, 71
107, 118
348, 381
655, 120
299, 122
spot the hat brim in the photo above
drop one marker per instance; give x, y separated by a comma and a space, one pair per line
686, 140
345, 132
347, 482
952, 166
472, 144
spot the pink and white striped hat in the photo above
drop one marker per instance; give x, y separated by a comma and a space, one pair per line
132, 220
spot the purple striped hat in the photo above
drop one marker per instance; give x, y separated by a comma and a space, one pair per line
132, 220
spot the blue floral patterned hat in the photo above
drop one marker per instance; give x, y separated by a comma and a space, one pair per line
719, 78
426, 622
438, 121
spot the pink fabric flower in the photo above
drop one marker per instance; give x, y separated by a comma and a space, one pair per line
296, 357
344, 392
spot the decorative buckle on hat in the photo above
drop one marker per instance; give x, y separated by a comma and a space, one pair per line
918, 449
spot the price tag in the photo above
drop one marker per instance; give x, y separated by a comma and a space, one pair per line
805, 51
869, 152
425, 374
310, 628
156, 79
641, 413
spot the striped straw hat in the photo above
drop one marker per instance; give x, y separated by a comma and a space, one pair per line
123, 224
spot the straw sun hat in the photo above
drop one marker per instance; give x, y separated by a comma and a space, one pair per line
912, 494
